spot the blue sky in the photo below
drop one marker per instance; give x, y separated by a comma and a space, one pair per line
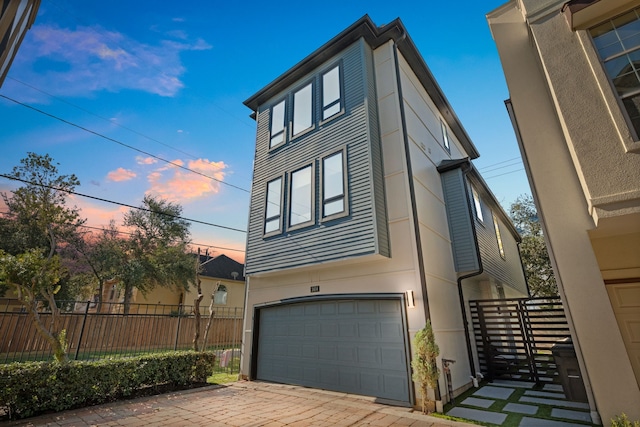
169, 79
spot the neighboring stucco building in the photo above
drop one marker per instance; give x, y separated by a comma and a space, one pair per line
16, 17
367, 217
574, 82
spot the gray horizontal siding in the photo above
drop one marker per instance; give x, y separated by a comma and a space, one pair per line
460, 228
350, 236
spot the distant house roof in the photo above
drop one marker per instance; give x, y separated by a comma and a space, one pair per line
222, 267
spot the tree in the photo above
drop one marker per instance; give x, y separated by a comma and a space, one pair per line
425, 367
533, 250
155, 254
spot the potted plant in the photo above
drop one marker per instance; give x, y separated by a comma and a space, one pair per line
425, 367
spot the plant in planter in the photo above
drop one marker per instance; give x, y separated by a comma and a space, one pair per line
425, 368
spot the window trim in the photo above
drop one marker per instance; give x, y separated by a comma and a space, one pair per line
284, 124
312, 208
266, 219
496, 227
345, 187
311, 127
477, 204
446, 141
340, 100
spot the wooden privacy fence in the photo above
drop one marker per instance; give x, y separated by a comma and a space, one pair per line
108, 332
514, 337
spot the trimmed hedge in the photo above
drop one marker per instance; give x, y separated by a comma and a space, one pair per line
30, 388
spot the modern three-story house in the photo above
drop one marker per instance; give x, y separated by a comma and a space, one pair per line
367, 218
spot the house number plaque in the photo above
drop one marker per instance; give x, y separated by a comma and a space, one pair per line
315, 289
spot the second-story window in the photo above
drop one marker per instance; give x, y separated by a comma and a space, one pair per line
445, 137
477, 205
302, 109
277, 125
331, 93
333, 185
496, 226
618, 44
301, 197
273, 210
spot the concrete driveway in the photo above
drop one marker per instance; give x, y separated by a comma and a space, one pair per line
243, 404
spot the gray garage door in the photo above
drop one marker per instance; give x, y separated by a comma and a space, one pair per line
354, 346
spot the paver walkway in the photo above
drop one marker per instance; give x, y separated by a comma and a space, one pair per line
489, 404
244, 404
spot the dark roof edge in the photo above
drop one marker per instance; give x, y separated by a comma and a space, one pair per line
468, 167
375, 37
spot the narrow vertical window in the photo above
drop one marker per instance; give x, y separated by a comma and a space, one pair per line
445, 137
273, 211
331, 88
333, 185
277, 125
477, 204
498, 237
301, 198
302, 109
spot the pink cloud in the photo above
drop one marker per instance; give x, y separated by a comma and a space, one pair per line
146, 160
180, 185
121, 174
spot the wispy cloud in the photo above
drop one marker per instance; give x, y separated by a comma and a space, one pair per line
78, 62
183, 186
146, 160
121, 174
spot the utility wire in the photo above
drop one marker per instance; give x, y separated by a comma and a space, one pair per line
120, 204
121, 143
499, 163
101, 117
502, 167
506, 173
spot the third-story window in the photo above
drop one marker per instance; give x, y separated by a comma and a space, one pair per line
303, 109
445, 137
477, 205
496, 226
301, 197
277, 125
331, 99
273, 211
333, 185
618, 44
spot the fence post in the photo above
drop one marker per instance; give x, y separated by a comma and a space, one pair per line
84, 321
175, 346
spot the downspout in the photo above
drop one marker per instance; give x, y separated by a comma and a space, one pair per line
480, 270
412, 191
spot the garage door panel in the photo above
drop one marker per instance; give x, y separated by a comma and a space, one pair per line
354, 346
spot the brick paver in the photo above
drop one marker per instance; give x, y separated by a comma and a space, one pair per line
243, 404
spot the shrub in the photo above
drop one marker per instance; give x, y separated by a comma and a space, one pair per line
29, 388
623, 421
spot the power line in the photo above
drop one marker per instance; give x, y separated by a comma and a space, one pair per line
506, 173
101, 117
121, 143
502, 167
499, 163
121, 204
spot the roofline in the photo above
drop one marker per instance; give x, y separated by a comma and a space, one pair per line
375, 37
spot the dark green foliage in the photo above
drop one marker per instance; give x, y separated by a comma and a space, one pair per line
30, 388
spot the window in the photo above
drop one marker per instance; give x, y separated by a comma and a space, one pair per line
220, 295
331, 99
445, 137
273, 211
277, 124
618, 44
302, 109
496, 226
477, 204
333, 188
301, 197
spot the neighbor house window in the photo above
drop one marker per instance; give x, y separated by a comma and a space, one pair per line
277, 125
301, 197
477, 205
220, 295
445, 137
331, 93
333, 185
302, 109
273, 210
496, 226
618, 44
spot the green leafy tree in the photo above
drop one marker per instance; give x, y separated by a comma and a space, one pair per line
533, 250
155, 253
424, 363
